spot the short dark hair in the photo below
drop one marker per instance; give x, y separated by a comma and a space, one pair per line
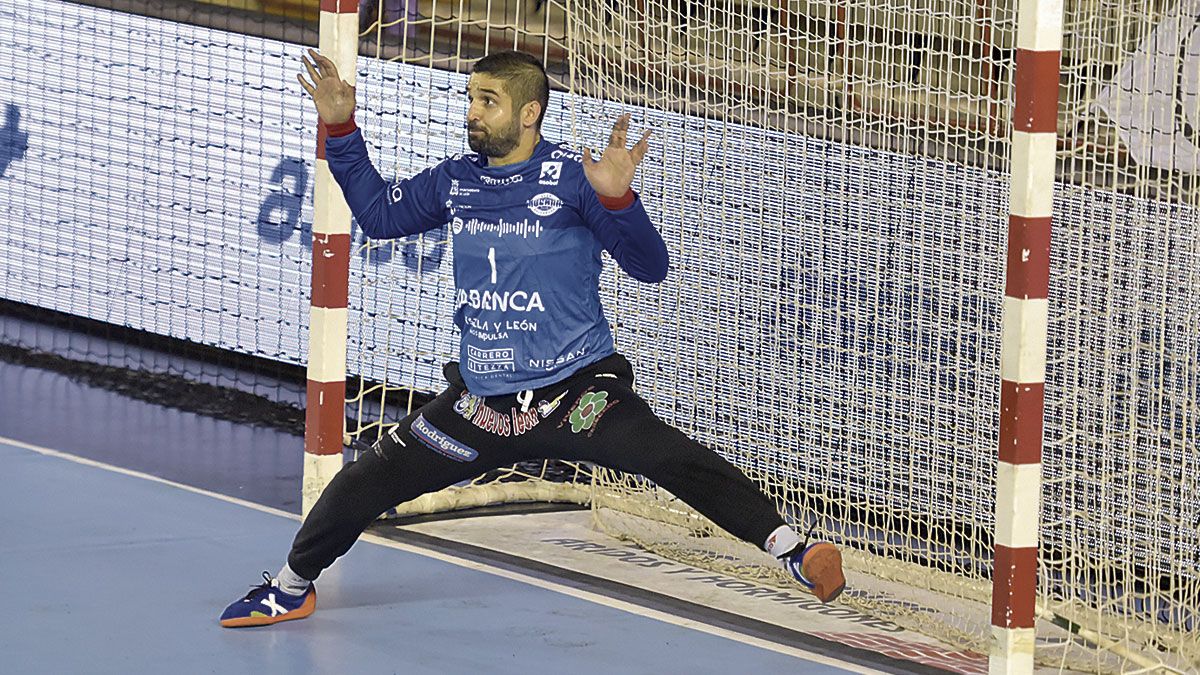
523, 75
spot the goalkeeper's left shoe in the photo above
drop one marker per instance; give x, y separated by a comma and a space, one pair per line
818, 567
266, 604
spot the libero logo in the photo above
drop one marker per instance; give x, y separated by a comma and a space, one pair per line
439, 441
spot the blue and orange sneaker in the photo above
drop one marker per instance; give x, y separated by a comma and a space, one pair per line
266, 604
818, 567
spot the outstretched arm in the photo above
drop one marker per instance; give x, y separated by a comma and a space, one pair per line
614, 212
383, 212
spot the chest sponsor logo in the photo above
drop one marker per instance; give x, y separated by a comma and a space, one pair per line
545, 204
517, 301
551, 173
484, 361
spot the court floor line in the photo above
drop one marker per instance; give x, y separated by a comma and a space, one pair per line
476, 565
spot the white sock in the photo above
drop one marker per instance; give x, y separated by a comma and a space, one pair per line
782, 541
290, 582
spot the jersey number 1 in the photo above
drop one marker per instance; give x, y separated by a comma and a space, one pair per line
492, 260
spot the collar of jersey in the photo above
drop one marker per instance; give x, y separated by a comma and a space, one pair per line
537, 150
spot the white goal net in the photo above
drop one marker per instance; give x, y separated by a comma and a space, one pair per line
831, 179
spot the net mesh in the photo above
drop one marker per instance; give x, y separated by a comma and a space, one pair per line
832, 324
831, 180
825, 176
1121, 511
154, 177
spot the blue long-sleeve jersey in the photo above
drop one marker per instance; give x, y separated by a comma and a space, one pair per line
527, 242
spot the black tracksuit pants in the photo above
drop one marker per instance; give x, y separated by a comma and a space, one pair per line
594, 415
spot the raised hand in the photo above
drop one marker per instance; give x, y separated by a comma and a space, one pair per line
612, 175
334, 98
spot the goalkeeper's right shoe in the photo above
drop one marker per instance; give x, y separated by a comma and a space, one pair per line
266, 604
818, 567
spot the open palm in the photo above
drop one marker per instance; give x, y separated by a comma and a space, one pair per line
333, 96
612, 174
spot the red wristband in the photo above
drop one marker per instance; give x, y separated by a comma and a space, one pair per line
342, 128
618, 203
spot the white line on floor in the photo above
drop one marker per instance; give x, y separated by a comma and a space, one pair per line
479, 566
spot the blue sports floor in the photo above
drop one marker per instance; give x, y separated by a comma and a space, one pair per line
108, 570
114, 573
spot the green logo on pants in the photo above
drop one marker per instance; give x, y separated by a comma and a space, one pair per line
590, 405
